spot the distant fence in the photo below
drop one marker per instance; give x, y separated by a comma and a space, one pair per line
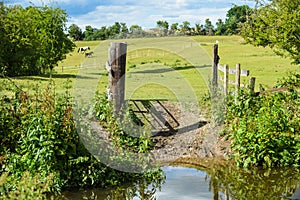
223, 82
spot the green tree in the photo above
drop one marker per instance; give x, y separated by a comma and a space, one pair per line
88, 33
124, 28
185, 28
209, 28
101, 34
163, 26
221, 27
277, 25
135, 28
174, 28
34, 39
236, 16
53, 42
75, 32
114, 30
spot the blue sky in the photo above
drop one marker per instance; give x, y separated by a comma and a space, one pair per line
98, 13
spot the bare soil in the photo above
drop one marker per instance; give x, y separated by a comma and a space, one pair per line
181, 132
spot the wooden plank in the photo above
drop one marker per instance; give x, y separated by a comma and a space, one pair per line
233, 71
272, 91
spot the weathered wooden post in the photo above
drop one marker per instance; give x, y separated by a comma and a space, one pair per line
252, 85
237, 81
215, 63
226, 73
116, 67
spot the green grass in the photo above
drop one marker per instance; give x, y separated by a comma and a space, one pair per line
262, 62
164, 68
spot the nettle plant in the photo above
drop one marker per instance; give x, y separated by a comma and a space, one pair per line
265, 129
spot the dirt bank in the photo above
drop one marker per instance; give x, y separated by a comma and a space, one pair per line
182, 131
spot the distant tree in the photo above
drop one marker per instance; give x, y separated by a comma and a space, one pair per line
197, 29
185, 28
75, 32
124, 28
173, 28
276, 24
163, 26
88, 33
220, 27
135, 28
236, 16
136, 31
209, 28
101, 34
114, 30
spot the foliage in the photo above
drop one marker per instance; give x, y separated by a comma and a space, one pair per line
265, 129
75, 32
236, 16
33, 39
38, 135
28, 187
276, 25
124, 133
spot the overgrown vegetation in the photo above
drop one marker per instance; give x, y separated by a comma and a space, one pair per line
39, 143
275, 24
265, 128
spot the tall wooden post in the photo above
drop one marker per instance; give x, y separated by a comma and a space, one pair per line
117, 68
215, 63
226, 75
237, 81
252, 85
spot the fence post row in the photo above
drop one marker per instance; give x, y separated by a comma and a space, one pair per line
226, 70
116, 67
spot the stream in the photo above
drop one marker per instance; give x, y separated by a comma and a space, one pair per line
191, 182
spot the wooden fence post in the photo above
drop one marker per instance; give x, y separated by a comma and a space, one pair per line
117, 67
252, 85
226, 73
237, 81
215, 63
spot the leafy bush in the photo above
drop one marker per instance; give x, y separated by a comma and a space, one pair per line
38, 135
28, 187
265, 129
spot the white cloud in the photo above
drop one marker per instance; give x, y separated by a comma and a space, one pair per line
99, 13
147, 18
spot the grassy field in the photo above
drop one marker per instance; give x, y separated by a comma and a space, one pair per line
262, 62
164, 68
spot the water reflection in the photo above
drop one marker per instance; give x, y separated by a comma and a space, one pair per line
216, 181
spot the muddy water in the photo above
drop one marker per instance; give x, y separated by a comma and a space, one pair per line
221, 181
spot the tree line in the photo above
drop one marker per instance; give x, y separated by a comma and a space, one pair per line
33, 39
236, 16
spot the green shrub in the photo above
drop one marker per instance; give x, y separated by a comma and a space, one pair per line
265, 129
38, 136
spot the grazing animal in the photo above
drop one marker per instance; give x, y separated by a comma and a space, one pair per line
89, 54
83, 49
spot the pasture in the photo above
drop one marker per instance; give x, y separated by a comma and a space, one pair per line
164, 68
